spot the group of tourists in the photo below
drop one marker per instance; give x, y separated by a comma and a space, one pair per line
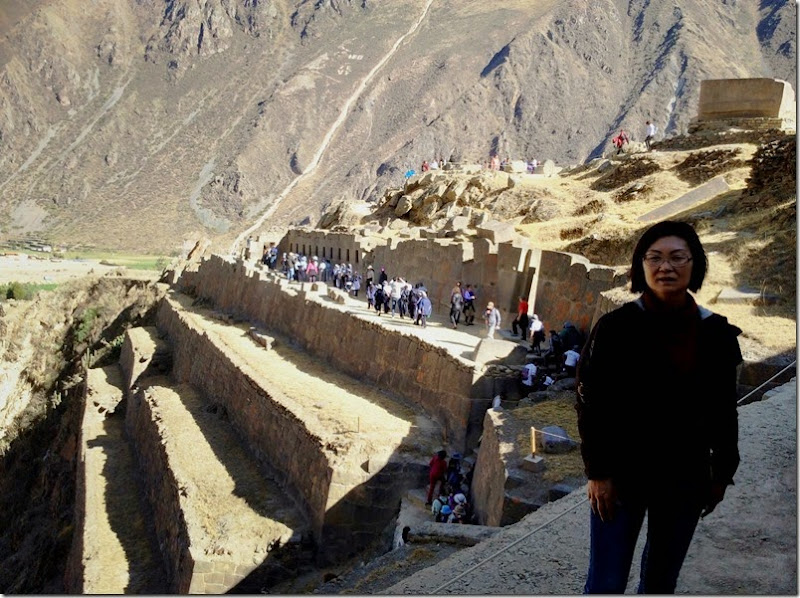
433, 164
495, 163
450, 481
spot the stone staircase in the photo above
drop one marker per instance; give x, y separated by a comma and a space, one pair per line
232, 465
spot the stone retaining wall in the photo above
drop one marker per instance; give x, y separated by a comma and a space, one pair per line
489, 478
273, 433
142, 426
440, 383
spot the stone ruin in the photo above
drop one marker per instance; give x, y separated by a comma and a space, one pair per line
752, 104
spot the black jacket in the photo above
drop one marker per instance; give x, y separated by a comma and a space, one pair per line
644, 417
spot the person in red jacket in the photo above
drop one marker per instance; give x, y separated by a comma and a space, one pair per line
438, 467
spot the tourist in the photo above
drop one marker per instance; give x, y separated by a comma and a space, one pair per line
438, 467
370, 274
356, 285
312, 269
657, 415
378, 295
382, 277
456, 305
570, 335
521, 321
425, 308
396, 289
370, 295
571, 359
425, 166
536, 333
405, 292
436, 507
434, 165
620, 140
387, 296
651, 132
555, 351
491, 317
444, 515
469, 306
529, 374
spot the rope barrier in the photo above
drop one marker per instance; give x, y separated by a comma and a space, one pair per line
505, 548
791, 365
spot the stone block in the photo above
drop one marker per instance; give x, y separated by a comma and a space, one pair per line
696, 196
559, 491
554, 440
604, 166
549, 168
496, 232
600, 273
745, 297
404, 205
745, 98
533, 463
398, 224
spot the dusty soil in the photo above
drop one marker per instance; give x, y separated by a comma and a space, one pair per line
22, 267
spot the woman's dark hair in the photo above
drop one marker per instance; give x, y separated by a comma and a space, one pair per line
669, 228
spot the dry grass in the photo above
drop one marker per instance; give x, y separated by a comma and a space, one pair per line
557, 412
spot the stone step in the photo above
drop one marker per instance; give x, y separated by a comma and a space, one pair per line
360, 448
222, 523
115, 541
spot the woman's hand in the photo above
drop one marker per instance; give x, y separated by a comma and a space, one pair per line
602, 498
715, 495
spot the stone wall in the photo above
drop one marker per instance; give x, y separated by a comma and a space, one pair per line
489, 478
273, 433
141, 424
569, 289
437, 381
745, 98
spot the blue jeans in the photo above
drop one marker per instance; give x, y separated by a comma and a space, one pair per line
670, 527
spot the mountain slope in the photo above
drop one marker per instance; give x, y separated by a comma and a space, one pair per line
141, 124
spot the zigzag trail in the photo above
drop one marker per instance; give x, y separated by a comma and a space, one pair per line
332, 131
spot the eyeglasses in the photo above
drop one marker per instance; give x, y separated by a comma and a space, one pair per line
676, 261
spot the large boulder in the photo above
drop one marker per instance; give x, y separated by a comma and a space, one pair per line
404, 205
496, 232
554, 440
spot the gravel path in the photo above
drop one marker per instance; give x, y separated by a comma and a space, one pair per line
747, 546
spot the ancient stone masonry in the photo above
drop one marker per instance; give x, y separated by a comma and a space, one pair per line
500, 272
569, 289
762, 103
426, 374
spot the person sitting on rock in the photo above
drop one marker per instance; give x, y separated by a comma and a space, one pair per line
436, 507
444, 515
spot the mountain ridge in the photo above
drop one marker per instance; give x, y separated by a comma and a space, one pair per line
145, 124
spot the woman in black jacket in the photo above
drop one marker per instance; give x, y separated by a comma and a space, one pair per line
657, 415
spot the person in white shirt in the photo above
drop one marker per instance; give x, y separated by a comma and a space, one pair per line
536, 334
434, 165
571, 358
651, 132
528, 374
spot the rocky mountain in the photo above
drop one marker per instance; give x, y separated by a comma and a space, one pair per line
139, 124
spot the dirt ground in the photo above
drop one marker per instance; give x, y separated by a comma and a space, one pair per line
25, 268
